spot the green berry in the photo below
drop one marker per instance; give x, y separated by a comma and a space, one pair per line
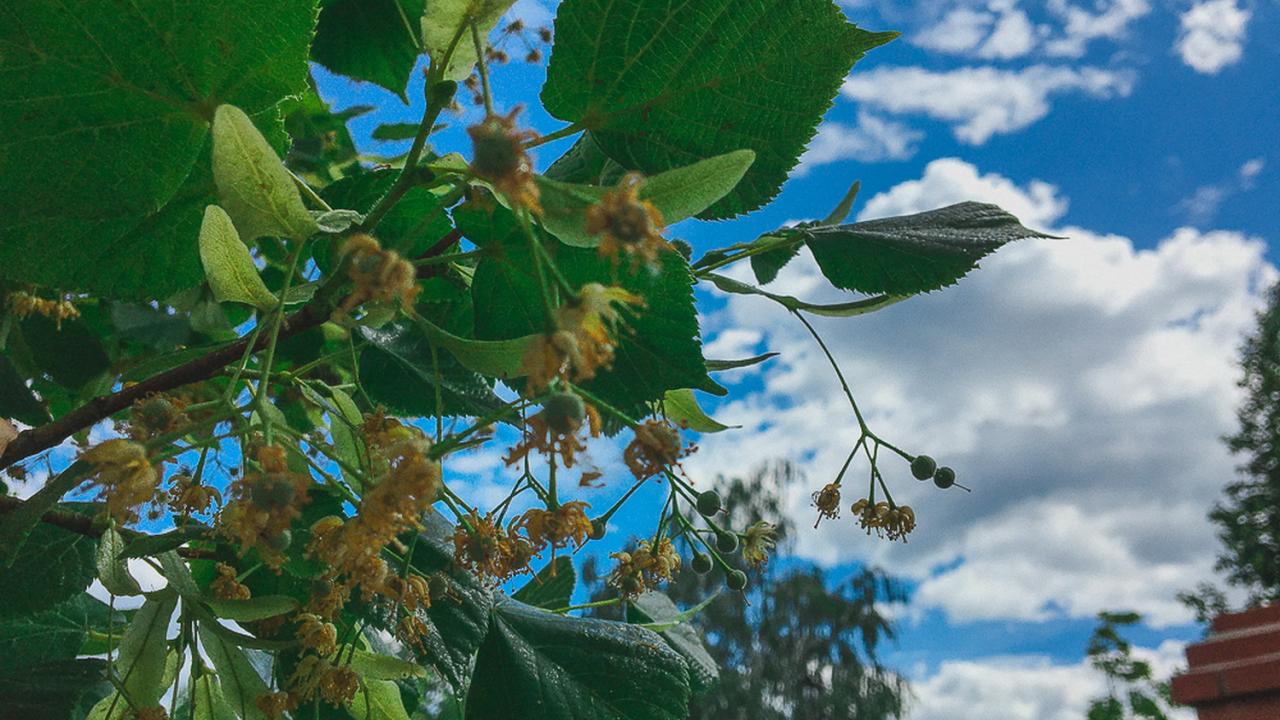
923, 467
598, 529
727, 542
280, 542
708, 503
564, 412
944, 478
736, 580
702, 563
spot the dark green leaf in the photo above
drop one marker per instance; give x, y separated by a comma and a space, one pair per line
585, 163
49, 690
16, 399
53, 566
913, 253
538, 665
115, 101
551, 588
113, 571
661, 85
155, 544
767, 264
846, 309
255, 608
399, 370
374, 40
48, 636
71, 355
655, 607
150, 326
241, 684
415, 223
718, 365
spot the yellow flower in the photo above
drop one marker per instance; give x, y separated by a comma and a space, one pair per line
585, 340
757, 541
377, 274
649, 564
625, 223
827, 500
317, 635
226, 586
656, 447
126, 477
556, 528
499, 158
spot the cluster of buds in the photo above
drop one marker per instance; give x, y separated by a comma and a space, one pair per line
489, 550
126, 478
626, 224
656, 447
555, 429
377, 274
188, 497
894, 522
155, 415
226, 586
585, 340
264, 505
23, 304
645, 567
498, 157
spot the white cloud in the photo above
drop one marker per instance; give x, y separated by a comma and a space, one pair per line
1079, 387
981, 101
1212, 35
959, 31
1013, 37
1080, 26
873, 139
1250, 171
1203, 204
1002, 29
1023, 688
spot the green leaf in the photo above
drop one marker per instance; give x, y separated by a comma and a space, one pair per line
378, 700
52, 635
767, 264
413, 225
840, 212
584, 162
655, 607
395, 131
458, 621
257, 191
252, 609
682, 408
539, 665
847, 309
208, 701
112, 569
71, 355
371, 666
143, 648
398, 369
49, 690
551, 588
660, 85
145, 545
373, 40
344, 421
175, 570
241, 684
443, 22
913, 253
677, 194
153, 327
53, 566
123, 95
16, 399
719, 365
227, 264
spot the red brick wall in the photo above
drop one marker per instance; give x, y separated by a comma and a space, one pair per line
1234, 673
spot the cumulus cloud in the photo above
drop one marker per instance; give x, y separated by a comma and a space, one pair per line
1079, 386
1002, 29
873, 139
1203, 204
1212, 35
981, 101
1082, 25
1024, 688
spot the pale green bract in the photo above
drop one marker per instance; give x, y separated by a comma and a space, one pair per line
447, 21
227, 264
253, 185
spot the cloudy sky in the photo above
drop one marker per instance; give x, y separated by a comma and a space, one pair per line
1079, 386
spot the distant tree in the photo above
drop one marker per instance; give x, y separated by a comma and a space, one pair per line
1132, 690
794, 644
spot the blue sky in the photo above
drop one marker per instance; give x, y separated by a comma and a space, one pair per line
1080, 385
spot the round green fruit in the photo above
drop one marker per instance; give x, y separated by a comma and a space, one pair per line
708, 503
701, 563
736, 580
727, 542
944, 478
923, 467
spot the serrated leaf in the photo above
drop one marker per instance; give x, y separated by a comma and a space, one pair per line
123, 94
373, 40
254, 187
767, 264
761, 78
241, 684
682, 408
141, 662
655, 607
53, 566
52, 635
72, 355
252, 609
584, 162
16, 399
112, 569
538, 665
442, 23
378, 700
551, 588
913, 253
852, 308
49, 690
677, 194
227, 264
371, 666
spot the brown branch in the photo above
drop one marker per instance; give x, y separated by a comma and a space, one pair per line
89, 527
39, 439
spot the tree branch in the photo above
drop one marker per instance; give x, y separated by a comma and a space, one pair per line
87, 526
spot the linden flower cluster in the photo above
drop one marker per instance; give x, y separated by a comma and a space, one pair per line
648, 565
554, 430
757, 541
499, 159
317, 676
156, 415
187, 497
226, 586
23, 304
378, 275
406, 482
265, 503
502, 553
827, 500
126, 477
885, 520
584, 342
655, 448
627, 224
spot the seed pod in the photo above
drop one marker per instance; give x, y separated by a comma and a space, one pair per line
944, 478
253, 185
564, 412
701, 563
923, 467
735, 580
708, 503
727, 542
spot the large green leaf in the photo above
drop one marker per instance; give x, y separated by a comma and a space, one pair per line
109, 108
440, 31
55, 634
240, 683
664, 84
415, 223
399, 370
677, 194
378, 700
141, 663
538, 665
16, 399
70, 355
913, 253
48, 690
53, 566
551, 588
458, 618
655, 607
374, 40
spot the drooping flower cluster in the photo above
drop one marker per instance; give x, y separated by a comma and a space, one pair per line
377, 274
499, 159
555, 429
626, 224
556, 529
488, 550
125, 477
585, 340
894, 522
226, 586
23, 304
827, 500
655, 448
265, 502
644, 568
187, 497
317, 676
